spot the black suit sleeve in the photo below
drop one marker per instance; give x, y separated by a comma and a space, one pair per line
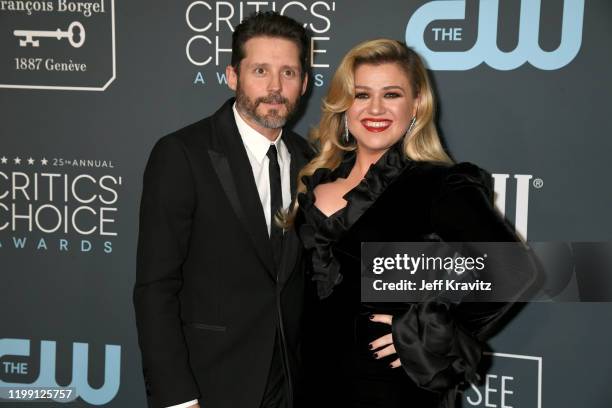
166, 208
440, 343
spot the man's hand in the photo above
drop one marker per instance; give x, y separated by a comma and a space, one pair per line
383, 346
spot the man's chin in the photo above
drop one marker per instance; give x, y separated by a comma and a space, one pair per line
272, 119
272, 110
274, 122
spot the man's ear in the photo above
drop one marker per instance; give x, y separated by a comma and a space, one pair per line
305, 83
232, 77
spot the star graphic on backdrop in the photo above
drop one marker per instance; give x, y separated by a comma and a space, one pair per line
17, 160
3, 160
44, 161
30, 160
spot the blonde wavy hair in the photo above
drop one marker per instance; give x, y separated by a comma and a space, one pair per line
423, 142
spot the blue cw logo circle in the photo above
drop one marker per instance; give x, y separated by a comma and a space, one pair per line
486, 50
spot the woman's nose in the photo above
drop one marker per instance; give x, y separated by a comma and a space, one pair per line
376, 106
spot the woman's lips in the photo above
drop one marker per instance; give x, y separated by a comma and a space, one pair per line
376, 125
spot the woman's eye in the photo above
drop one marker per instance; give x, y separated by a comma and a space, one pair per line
361, 95
392, 95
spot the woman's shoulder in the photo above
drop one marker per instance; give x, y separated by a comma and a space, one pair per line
466, 173
434, 181
447, 177
452, 170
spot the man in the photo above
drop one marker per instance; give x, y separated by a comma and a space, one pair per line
219, 286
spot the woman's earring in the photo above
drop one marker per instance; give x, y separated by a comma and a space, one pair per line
346, 130
412, 123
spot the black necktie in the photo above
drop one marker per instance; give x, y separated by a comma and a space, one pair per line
276, 202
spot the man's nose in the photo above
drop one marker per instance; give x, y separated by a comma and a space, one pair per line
275, 85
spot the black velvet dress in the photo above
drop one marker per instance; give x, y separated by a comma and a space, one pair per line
439, 345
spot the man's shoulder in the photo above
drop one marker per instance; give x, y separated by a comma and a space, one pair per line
200, 133
191, 135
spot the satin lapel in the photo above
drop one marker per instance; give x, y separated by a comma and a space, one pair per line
352, 239
236, 176
289, 256
221, 166
291, 243
298, 160
294, 167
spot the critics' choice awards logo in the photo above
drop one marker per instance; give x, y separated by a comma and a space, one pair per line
432, 18
58, 204
19, 370
211, 24
512, 381
57, 44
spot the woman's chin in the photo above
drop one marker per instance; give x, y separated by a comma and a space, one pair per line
376, 147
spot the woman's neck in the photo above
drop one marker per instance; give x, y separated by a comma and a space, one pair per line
363, 160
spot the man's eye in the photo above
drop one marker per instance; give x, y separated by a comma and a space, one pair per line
259, 71
289, 73
361, 95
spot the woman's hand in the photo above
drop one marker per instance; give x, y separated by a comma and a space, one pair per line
383, 346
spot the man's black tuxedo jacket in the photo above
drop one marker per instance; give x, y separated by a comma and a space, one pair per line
208, 296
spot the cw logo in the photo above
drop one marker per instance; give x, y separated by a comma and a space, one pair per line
485, 49
46, 376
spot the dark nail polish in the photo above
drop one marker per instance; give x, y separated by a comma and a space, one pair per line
371, 317
390, 365
375, 355
370, 346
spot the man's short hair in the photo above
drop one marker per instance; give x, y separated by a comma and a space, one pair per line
270, 24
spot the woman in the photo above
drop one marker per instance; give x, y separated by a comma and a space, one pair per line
382, 175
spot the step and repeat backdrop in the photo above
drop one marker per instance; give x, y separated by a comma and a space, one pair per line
87, 87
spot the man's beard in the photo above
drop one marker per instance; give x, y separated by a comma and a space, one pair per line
273, 119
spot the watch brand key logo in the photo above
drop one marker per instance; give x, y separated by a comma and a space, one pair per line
485, 49
75, 35
66, 45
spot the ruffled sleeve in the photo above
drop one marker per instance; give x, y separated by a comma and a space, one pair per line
462, 210
440, 343
435, 351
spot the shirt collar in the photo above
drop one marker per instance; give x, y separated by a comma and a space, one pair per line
257, 143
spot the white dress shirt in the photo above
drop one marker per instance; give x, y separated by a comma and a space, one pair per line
185, 404
257, 146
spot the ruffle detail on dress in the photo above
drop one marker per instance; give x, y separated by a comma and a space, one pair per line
319, 232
